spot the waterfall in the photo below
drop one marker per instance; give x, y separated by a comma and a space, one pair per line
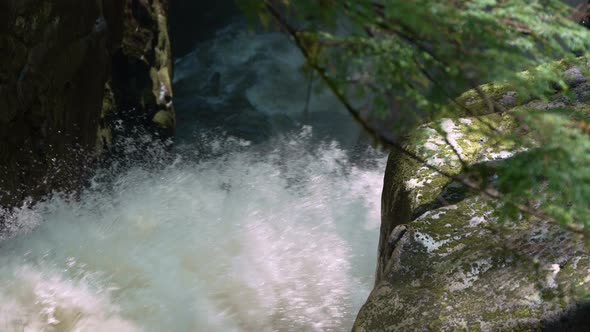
235, 229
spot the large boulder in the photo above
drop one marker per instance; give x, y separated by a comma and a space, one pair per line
445, 263
60, 88
455, 268
411, 188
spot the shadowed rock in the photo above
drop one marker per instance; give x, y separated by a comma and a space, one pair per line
61, 87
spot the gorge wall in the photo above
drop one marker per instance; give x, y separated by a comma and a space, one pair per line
71, 71
445, 261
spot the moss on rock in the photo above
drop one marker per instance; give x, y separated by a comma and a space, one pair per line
503, 94
449, 145
451, 266
164, 119
509, 96
142, 70
456, 268
57, 110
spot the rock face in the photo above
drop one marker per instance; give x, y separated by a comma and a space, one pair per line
452, 270
59, 59
445, 263
141, 82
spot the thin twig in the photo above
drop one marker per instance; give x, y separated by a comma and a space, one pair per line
492, 105
386, 141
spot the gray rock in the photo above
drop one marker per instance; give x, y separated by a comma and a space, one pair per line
446, 264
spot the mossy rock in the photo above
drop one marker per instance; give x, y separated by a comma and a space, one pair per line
451, 266
412, 188
508, 96
56, 113
449, 145
457, 269
501, 93
164, 119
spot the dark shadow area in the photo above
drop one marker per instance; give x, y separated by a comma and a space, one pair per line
192, 21
233, 78
576, 320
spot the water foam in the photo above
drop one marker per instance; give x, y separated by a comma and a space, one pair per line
36, 301
275, 240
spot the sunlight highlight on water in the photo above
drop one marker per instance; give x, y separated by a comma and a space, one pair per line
275, 240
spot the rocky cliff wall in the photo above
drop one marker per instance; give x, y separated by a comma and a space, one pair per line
70, 70
446, 263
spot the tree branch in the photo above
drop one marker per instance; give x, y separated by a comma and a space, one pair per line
387, 142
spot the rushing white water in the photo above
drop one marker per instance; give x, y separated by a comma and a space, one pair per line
276, 241
218, 235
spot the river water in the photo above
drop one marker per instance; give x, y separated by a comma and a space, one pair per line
263, 217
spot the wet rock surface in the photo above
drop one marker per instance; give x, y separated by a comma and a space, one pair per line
59, 92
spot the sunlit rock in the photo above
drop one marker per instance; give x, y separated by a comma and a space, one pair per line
446, 263
456, 268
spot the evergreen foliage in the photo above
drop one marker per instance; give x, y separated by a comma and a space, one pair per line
406, 63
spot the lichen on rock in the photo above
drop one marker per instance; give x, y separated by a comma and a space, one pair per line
455, 268
448, 146
142, 70
450, 264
